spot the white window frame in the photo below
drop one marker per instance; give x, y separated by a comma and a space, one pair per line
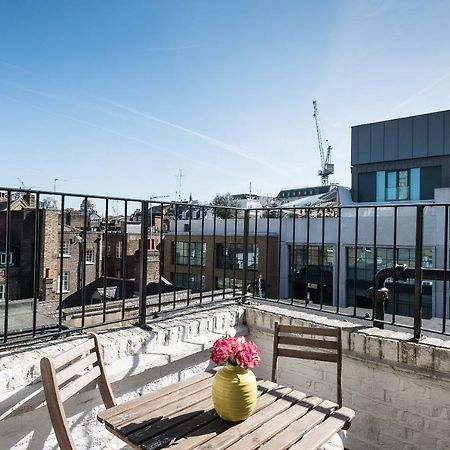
119, 250
65, 281
90, 259
3, 258
67, 249
2, 291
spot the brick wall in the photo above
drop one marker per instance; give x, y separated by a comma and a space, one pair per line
72, 263
400, 390
137, 361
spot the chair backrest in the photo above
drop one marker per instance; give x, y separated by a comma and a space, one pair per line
329, 340
65, 375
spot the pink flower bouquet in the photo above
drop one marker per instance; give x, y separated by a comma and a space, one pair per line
236, 351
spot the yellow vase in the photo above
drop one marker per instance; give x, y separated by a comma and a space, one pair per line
234, 393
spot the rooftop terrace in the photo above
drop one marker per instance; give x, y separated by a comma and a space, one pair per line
173, 287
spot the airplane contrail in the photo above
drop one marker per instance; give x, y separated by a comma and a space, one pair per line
209, 139
422, 91
216, 142
116, 133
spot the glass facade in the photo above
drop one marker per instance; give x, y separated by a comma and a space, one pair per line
229, 283
363, 265
414, 190
182, 280
184, 253
380, 188
311, 272
232, 256
398, 185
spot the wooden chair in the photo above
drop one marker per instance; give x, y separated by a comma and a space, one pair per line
292, 336
59, 382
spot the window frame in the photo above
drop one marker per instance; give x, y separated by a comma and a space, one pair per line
67, 249
186, 253
396, 189
119, 250
65, 282
3, 259
90, 260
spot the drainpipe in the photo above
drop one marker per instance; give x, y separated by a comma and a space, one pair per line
379, 292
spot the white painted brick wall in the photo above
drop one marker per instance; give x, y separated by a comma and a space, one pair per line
399, 390
137, 361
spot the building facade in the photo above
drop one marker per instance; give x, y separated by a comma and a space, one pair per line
401, 159
218, 262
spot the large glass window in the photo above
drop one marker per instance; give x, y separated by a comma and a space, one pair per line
368, 263
414, 183
403, 185
391, 185
381, 186
312, 256
189, 252
183, 280
232, 256
398, 185
311, 273
229, 283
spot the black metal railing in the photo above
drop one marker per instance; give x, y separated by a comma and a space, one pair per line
74, 268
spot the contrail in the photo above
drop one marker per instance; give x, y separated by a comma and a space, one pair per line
210, 140
422, 91
116, 133
175, 48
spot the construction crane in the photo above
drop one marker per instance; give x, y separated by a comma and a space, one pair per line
23, 187
327, 168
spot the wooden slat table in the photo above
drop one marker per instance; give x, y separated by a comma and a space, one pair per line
181, 416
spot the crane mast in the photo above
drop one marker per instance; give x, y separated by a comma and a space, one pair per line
327, 168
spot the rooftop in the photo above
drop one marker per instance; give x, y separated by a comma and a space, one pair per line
158, 311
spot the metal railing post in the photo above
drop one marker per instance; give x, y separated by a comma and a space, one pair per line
245, 245
418, 273
143, 264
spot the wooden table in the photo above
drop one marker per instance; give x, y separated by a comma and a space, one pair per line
181, 416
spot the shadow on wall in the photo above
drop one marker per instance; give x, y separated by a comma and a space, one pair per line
94, 292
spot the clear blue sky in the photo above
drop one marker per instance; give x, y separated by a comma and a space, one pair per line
116, 96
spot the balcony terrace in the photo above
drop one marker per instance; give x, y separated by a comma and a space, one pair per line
292, 265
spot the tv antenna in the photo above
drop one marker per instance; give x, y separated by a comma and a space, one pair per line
178, 178
55, 180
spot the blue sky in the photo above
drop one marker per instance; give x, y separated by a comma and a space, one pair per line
116, 96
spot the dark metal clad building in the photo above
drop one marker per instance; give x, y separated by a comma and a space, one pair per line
401, 159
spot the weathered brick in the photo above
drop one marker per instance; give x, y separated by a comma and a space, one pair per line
359, 343
372, 390
389, 350
424, 356
412, 420
422, 440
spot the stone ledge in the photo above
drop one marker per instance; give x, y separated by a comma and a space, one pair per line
431, 356
128, 351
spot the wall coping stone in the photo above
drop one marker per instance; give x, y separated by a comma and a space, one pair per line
429, 356
127, 351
